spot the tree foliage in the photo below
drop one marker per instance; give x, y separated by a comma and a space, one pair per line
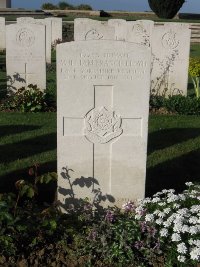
166, 8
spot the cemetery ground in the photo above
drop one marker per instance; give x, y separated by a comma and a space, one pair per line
33, 235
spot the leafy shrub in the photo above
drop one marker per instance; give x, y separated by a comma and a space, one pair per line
64, 5
84, 7
166, 8
49, 6
185, 105
31, 99
163, 229
194, 71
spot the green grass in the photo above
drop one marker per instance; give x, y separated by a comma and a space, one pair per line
26, 139
173, 148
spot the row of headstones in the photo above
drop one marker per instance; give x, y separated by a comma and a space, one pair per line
169, 43
28, 46
103, 87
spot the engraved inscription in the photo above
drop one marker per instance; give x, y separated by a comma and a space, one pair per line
109, 66
169, 40
25, 37
93, 35
102, 125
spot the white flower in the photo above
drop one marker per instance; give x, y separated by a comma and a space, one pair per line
161, 214
181, 258
183, 211
167, 210
176, 237
138, 216
185, 229
189, 184
191, 241
181, 248
159, 221
176, 206
182, 197
193, 230
193, 220
155, 200
195, 208
156, 212
172, 198
149, 217
161, 204
195, 254
167, 224
177, 227
164, 232
147, 200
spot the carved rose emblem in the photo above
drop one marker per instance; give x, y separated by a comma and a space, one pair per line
102, 125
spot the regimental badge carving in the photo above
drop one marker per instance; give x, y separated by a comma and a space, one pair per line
169, 40
102, 125
93, 35
138, 29
25, 37
141, 33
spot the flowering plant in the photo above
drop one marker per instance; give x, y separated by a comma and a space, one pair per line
194, 71
176, 220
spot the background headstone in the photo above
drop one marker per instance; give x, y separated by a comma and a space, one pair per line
170, 59
140, 32
102, 119
88, 29
25, 56
47, 24
56, 29
25, 20
2, 34
120, 26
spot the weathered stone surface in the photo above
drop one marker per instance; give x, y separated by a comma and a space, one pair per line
170, 59
88, 29
47, 24
25, 20
140, 32
2, 34
120, 26
25, 55
103, 103
56, 29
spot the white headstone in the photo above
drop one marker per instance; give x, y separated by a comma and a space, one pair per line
170, 59
120, 26
25, 20
25, 55
47, 24
102, 119
56, 29
140, 32
88, 29
2, 34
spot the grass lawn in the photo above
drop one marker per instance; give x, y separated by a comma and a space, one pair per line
173, 148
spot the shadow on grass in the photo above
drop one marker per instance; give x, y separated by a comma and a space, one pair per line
6, 130
168, 137
47, 192
173, 173
27, 148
